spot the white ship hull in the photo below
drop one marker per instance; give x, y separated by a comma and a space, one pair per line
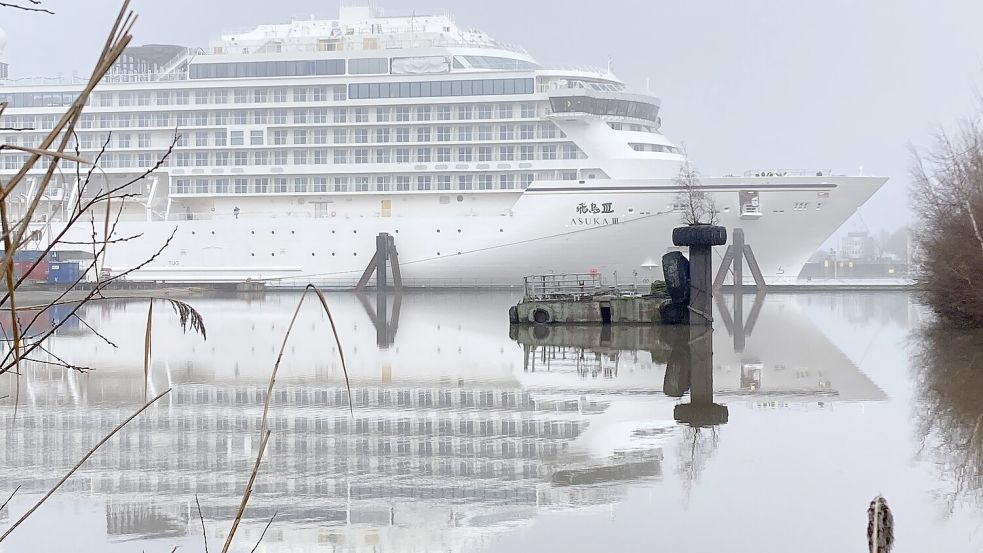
537, 231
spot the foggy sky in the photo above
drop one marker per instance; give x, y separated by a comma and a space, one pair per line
755, 84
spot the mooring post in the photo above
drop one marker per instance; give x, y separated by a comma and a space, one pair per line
700, 239
701, 285
381, 255
738, 246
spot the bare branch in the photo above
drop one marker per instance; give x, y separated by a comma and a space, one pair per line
204, 535
26, 8
261, 536
2, 507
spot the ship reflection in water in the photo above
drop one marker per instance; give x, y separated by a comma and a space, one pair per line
463, 428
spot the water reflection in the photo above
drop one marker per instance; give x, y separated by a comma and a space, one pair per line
949, 377
461, 429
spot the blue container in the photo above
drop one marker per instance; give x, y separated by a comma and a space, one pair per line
63, 272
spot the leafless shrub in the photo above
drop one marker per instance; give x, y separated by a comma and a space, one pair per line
16, 233
947, 195
698, 206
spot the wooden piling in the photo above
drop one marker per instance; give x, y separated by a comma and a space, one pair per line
381, 257
738, 245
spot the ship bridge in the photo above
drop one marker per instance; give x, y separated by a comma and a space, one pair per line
576, 103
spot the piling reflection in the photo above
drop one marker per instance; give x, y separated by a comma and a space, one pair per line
691, 367
949, 377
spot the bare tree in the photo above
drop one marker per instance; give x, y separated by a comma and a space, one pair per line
698, 205
947, 195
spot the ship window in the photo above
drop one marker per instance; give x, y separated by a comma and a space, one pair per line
427, 89
604, 106
368, 66
266, 69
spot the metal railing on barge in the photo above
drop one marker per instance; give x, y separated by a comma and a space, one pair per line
569, 285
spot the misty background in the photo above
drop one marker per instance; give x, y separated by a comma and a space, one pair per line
759, 84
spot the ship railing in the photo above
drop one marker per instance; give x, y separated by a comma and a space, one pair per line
181, 57
59, 80
788, 173
592, 69
356, 43
550, 286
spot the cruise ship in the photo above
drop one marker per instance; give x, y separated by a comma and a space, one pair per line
297, 143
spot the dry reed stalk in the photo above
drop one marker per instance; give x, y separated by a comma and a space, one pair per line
283, 347
247, 492
264, 431
79, 464
2, 507
204, 535
146, 352
261, 536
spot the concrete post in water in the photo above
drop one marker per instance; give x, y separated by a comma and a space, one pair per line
700, 239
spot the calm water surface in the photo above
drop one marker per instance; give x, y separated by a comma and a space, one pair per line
469, 437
